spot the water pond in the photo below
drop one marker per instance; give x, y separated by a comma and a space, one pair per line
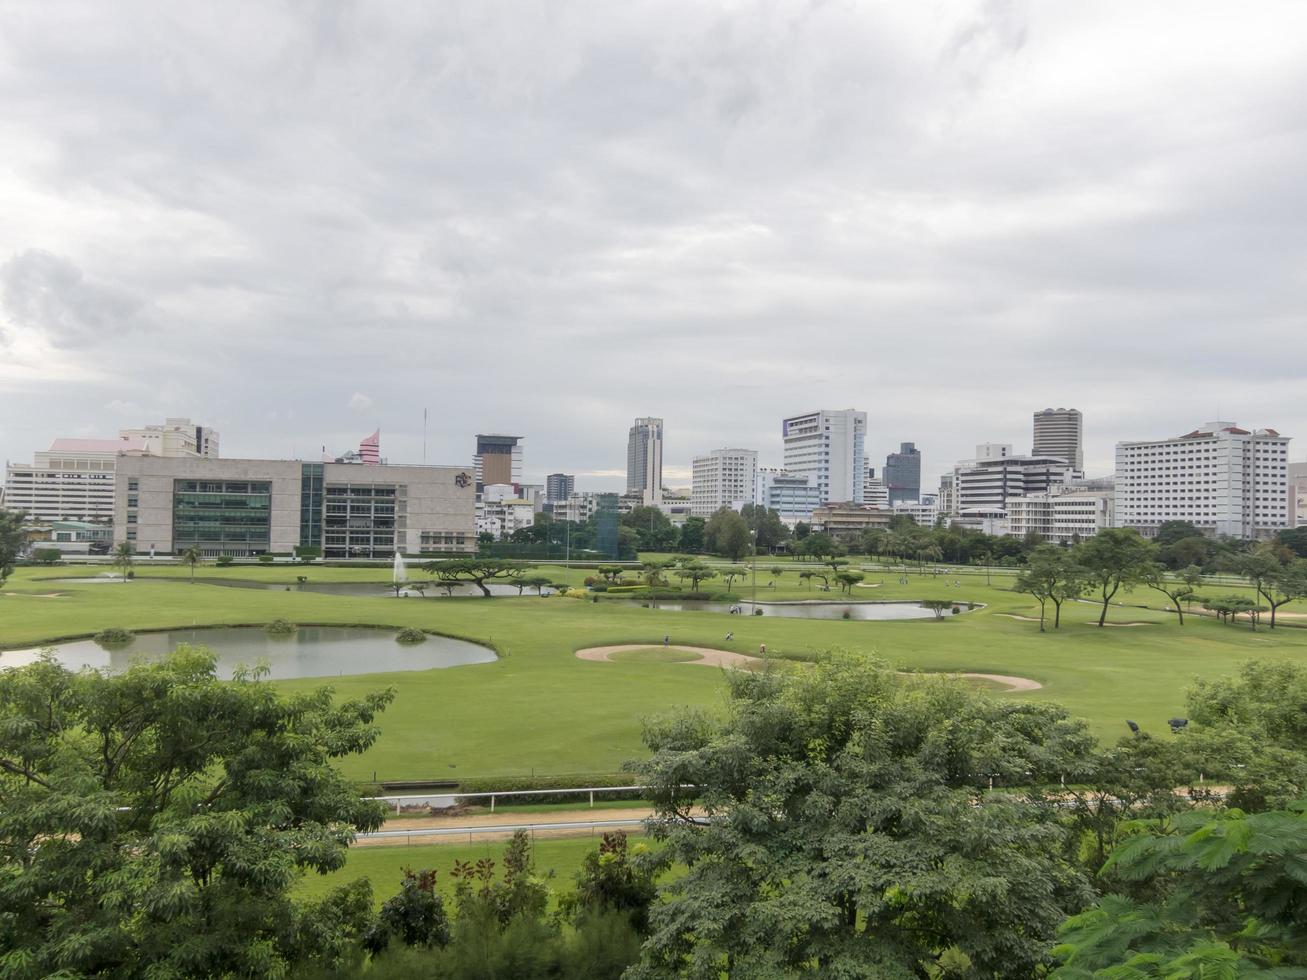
311, 651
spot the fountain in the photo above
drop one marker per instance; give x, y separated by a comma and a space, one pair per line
400, 575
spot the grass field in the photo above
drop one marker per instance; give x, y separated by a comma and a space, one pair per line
541, 710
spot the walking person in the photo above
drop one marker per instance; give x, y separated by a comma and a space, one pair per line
667, 638
762, 649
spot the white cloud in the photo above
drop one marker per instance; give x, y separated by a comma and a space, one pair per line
359, 402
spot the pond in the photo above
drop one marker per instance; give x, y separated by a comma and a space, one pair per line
375, 589
804, 610
312, 651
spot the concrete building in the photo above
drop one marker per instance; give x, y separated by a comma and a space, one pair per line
1222, 479
946, 501
791, 495
502, 516
989, 484
903, 475
1298, 494
559, 486
245, 507
498, 459
578, 507
843, 521
71, 538
1060, 432
829, 448
644, 460
723, 478
874, 491
677, 505
73, 480
924, 514
176, 437
1060, 517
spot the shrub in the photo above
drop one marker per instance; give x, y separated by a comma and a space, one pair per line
224, 560
590, 580
757, 611
131, 574
410, 635
47, 556
265, 559
114, 637
415, 916
599, 587
280, 627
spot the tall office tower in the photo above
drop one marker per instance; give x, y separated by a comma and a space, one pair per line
498, 459
644, 460
828, 447
1060, 432
1220, 478
723, 478
559, 486
903, 475
874, 491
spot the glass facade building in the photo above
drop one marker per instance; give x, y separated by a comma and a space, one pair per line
222, 517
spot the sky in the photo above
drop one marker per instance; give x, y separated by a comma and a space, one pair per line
298, 222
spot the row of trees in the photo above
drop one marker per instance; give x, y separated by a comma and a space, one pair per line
1118, 558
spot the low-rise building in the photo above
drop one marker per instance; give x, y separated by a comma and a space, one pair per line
504, 516
1060, 517
71, 537
244, 507
843, 521
924, 513
989, 483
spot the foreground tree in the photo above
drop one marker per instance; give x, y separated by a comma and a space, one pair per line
154, 822
448, 572
1112, 559
840, 833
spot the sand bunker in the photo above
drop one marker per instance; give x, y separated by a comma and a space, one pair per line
1024, 619
728, 658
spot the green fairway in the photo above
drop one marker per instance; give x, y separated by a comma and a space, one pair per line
539, 710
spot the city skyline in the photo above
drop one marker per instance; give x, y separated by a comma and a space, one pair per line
604, 216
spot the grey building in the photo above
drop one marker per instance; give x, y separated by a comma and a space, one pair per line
987, 484
644, 460
559, 486
902, 475
1060, 432
244, 507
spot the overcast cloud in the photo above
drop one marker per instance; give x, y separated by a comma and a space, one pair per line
298, 222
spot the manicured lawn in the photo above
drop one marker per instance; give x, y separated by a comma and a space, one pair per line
540, 709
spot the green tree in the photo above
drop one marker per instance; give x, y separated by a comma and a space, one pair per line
1177, 590
727, 534
691, 540
124, 557
801, 530
1169, 532
838, 832
192, 556
613, 879
537, 582
1114, 558
696, 572
479, 571
1285, 585
653, 570
1051, 575
610, 573
11, 541
1295, 539
848, 580
1207, 896
766, 523
819, 545
415, 915
653, 529
154, 822
729, 575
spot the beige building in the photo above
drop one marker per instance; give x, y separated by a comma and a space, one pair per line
847, 521
244, 507
723, 478
1298, 494
1060, 518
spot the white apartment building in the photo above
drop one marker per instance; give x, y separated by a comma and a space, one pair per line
874, 491
1222, 479
502, 517
578, 507
73, 480
1060, 432
829, 447
924, 514
723, 478
791, 495
1060, 517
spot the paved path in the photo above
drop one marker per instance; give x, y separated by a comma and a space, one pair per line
728, 658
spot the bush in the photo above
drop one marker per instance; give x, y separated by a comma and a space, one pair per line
410, 635
415, 916
280, 627
47, 556
757, 611
599, 587
114, 637
590, 580
224, 560
265, 559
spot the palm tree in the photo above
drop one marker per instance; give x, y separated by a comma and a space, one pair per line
122, 557
192, 557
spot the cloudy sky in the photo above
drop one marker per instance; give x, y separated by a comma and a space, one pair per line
299, 221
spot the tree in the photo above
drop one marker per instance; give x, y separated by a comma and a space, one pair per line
731, 574
696, 572
776, 571
1286, 584
610, 573
450, 571
154, 822
653, 529
123, 558
653, 570
1228, 608
415, 915
819, 545
727, 535
1260, 565
766, 523
938, 606
801, 530
611, 880
11, 541
1111, 559
1212, 895
848, 580
1177, 591
1295, 539
1169, 532
192, 556
839, 834
691, 540
1051, 575
537, 582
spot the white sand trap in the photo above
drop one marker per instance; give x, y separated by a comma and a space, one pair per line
728, 658
1024, 619
867, 585
1095, 624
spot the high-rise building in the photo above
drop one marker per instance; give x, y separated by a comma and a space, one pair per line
988, 484
74, 479
644, 460
1222, 479
791, 495
559, 486
874, 491
828, 447
498, 459
723, 478
1060, 432
903, 475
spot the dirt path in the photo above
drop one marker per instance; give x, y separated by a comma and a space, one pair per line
727, 658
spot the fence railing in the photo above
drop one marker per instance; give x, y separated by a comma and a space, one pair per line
443, 801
